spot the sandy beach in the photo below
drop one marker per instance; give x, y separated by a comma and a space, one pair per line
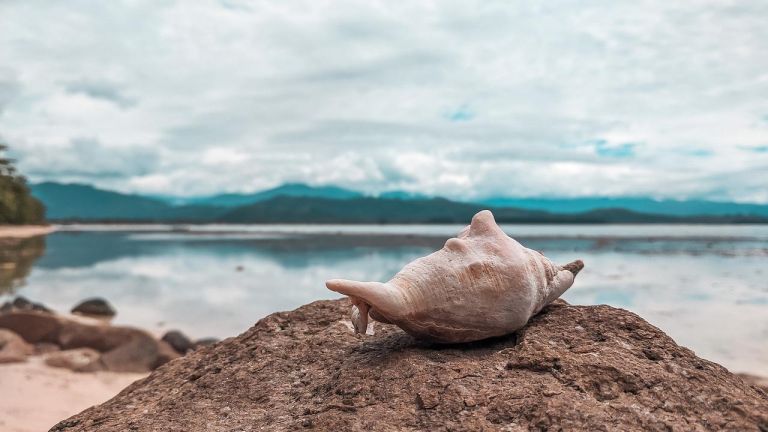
25, 231
35, 396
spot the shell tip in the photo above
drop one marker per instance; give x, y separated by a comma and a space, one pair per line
574, 267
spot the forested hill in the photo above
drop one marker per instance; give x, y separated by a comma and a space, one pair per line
436, 210
17, 205
295, 203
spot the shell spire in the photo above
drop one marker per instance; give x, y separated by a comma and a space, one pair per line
481, 284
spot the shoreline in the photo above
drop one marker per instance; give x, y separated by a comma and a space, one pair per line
35, 396
25, 231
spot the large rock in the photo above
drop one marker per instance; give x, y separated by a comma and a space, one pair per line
95, 307
13, 348
140, 354
124, 349
33, 326
101, 337
572, 368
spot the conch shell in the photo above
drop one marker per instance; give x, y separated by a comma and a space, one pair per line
480, 284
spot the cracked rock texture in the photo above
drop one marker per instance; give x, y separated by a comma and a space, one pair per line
593, 368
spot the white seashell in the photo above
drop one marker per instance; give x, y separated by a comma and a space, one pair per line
479, 285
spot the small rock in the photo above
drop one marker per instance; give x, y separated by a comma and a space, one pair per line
13, 348
41, 308
79, 359
6, 307
21, 303
95, 307
178, 340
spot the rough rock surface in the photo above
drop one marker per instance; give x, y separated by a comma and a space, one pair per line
591, 368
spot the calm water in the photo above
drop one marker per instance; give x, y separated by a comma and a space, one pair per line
706, 286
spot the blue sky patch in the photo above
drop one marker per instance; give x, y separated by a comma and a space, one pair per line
698, 152
622, 150
460, 114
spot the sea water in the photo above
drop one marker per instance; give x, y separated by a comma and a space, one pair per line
704, 285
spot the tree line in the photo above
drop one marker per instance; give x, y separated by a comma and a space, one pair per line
17, 205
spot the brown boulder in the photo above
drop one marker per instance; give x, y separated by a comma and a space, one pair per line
99, 336
13, 348
572, 368
79, 359
33, 326
165, 353
139, 354
124, 349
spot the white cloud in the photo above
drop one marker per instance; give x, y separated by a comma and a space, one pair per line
462, 99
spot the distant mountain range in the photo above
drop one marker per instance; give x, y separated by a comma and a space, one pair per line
288, 189
642, 205
300, 203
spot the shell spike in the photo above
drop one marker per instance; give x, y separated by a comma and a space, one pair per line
376, 294
563, 280
483, 223
574, 267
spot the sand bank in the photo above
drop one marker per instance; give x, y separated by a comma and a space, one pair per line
24, 231
35, 396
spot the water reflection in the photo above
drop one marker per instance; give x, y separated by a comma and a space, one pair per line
16, 259
708, 293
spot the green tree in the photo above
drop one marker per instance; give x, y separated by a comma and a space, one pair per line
17, 205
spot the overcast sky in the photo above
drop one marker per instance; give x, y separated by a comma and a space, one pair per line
463, 99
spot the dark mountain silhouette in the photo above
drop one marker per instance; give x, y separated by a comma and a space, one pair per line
78, 202
642, 205
436, 210
288, 189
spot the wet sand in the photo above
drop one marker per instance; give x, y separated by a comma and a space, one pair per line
34, 397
